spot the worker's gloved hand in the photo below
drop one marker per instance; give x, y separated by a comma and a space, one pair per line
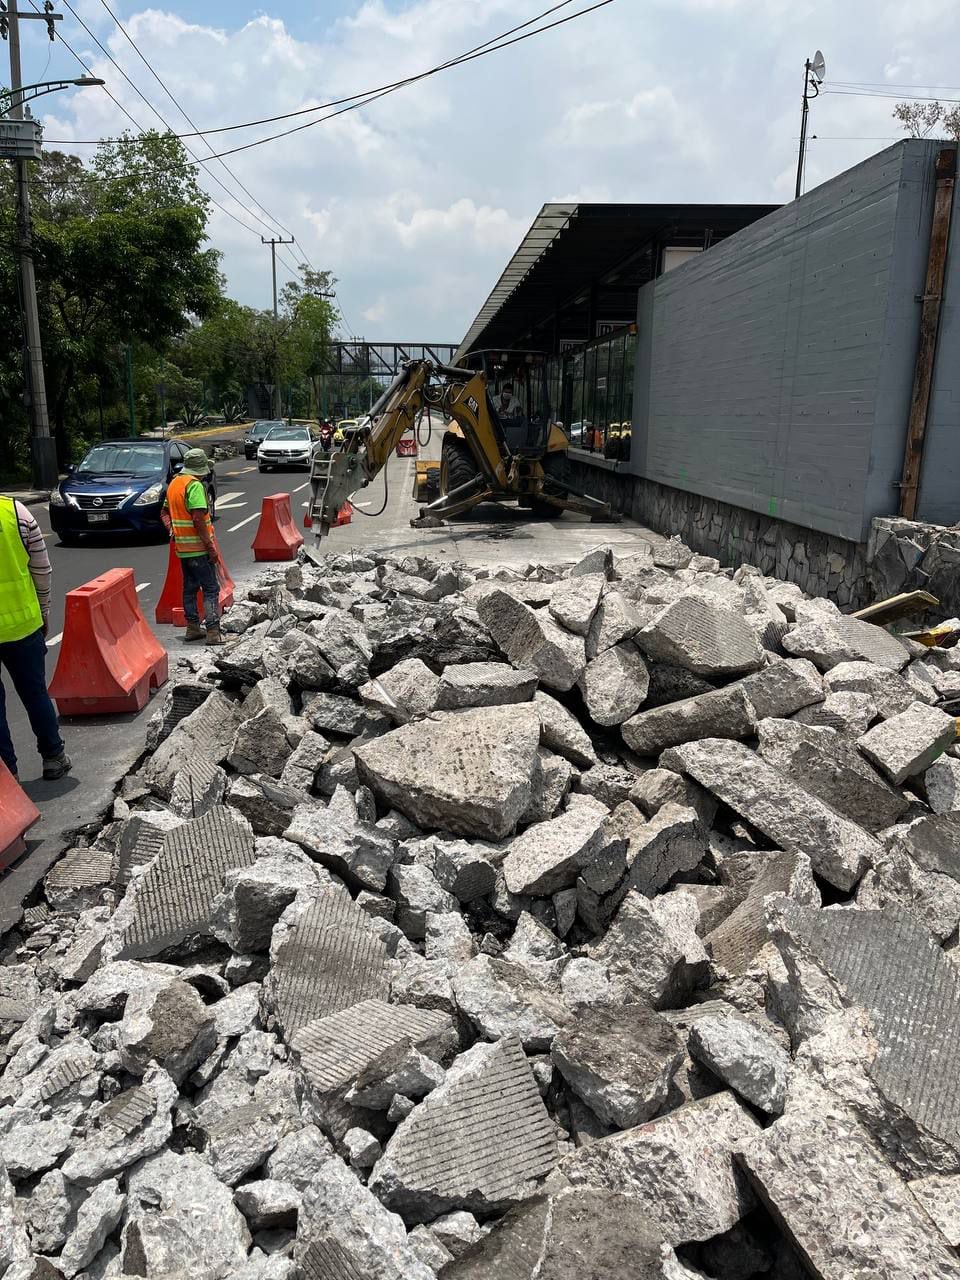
45, 628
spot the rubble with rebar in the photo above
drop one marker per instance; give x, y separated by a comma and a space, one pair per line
587, 920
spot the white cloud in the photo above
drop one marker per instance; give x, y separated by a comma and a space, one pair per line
417, 201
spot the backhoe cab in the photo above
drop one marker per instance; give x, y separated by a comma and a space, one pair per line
499, 447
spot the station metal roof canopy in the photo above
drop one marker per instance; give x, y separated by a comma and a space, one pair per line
584, 262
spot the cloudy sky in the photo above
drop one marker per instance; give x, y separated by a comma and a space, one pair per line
417, 201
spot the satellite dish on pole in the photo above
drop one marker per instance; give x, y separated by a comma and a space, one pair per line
818, 66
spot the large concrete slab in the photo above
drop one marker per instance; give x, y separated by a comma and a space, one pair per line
482, 1141
470, 772
335, 1050
172, 900
840, 1202
797, 821
887, 963
330, 959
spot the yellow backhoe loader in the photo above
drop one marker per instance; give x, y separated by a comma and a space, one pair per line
495, 449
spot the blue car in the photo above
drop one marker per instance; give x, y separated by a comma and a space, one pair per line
119, 487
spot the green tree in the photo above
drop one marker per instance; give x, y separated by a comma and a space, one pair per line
121, 257
919, 119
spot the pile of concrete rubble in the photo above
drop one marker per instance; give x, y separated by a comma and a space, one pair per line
593, 921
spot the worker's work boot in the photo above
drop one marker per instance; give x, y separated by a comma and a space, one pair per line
195, 632
56, 766
213, 634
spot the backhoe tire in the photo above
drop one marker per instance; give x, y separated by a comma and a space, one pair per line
560, 473
457, 465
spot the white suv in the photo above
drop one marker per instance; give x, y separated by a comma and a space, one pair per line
285, 447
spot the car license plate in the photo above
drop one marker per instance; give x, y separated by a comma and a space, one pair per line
98, 517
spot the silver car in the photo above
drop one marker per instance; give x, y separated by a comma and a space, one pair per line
286, 446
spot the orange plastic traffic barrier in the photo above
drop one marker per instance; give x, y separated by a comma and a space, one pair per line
307, 519
110, 660
170, 605
277, 537
18, 813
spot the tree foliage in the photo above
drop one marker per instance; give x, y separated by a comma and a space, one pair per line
121, 258
919, 119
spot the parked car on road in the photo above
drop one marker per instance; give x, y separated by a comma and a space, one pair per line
285, 446
254, 437
119, 487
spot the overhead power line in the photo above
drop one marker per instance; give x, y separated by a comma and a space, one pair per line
354, 101
874, 93
167, 127
247, 192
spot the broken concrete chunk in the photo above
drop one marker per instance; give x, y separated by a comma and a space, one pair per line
575, 601
329, 958
172, 900
722, 713
703, 635
344, 1231
97, 1218
181, 1220
502, 999
169, 1025
416, 891
133, 1125
336, 1050
831, 768
839, 850
739, 938
548, 856
405, 692
447, 937
679, 1166
450, 1154
657, 787
78, 879
654, 945
941, 784
577, 1231
470, 772
909, 743
562, 732
848, 713
533, 642
209, 731
338, 839
890, 692
261, 745
673, 840
868, 1225
598, 560
783, 688
614, 685
887, 963
616, 620
739, 1054
831, 640
466, 869
483, 684
268, 1203
619, 1061
253, 898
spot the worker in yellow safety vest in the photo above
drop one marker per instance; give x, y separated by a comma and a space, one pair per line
24, 613
186, 517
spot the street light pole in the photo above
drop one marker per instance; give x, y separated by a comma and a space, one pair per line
42, 446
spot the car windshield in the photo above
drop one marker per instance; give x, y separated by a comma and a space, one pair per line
289, 433
123, 459
261, 428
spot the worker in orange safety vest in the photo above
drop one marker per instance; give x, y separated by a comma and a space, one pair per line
186, 517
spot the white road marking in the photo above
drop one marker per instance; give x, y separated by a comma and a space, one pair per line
235, 527
53, 640
142, 586
223, 498
230, 506
301, 487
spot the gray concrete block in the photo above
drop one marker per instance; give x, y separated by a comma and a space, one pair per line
908, 743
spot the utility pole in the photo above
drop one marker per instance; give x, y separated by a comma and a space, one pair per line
276, 315
813, 72
42, 446
131, 403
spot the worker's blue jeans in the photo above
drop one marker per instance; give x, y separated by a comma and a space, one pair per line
200, 574
24, 663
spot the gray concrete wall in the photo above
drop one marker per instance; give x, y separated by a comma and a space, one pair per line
774, 372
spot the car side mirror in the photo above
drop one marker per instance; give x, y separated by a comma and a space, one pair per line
176, 466
71, 468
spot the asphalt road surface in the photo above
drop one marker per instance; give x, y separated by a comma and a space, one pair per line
105, 748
